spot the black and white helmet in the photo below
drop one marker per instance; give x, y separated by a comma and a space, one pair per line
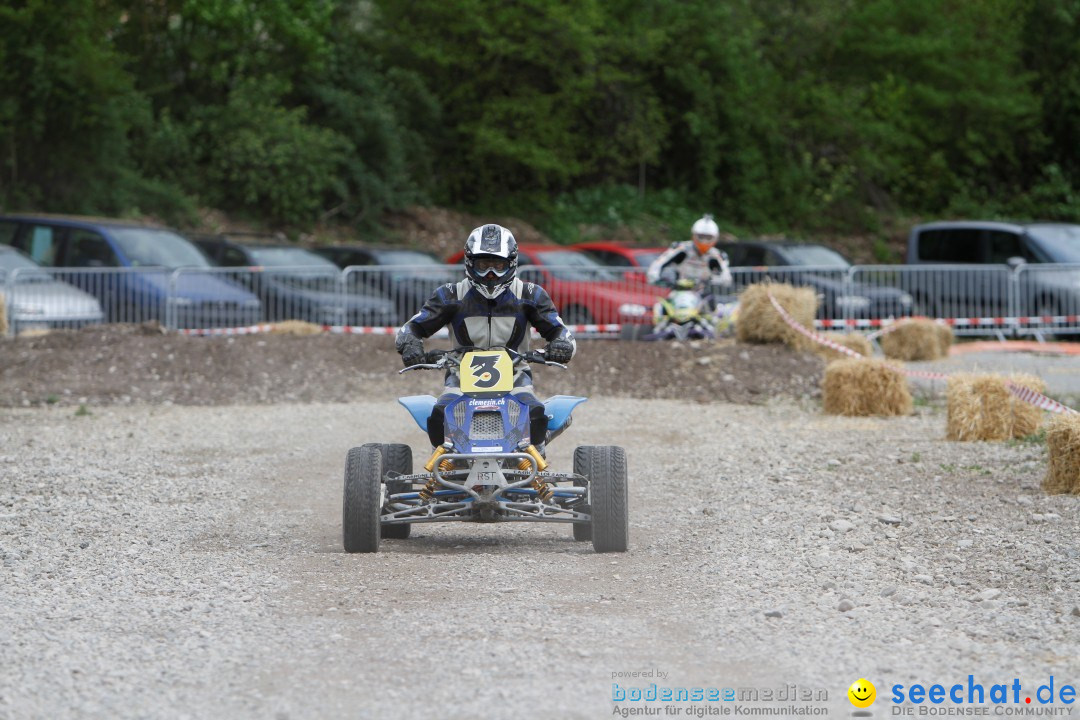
491, 259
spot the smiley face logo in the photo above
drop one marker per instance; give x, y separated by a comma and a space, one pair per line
862, 693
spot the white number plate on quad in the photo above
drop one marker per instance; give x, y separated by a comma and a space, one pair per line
485, 472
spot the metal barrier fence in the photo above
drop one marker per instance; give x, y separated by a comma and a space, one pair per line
1031, 300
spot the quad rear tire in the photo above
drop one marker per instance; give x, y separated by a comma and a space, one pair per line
363, 499
396, 458
605, 468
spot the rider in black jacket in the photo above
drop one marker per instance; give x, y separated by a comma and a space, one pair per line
491, 307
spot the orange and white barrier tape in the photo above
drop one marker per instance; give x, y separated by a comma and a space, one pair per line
1022, 393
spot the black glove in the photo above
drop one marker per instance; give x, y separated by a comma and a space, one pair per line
559, 350
412, 350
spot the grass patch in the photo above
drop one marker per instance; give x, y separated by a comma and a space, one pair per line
1035, 438
82, 411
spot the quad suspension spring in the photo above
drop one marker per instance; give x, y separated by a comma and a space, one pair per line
428, 491
543, 490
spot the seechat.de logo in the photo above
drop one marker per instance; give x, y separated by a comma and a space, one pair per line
862, 693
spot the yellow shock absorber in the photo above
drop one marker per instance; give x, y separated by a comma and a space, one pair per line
439, 452
541, 463
543, 490
446, 465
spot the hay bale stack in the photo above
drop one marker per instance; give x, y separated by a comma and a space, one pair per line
760, 323
855, 341
1063, 441
865, 387
918, 339
295, 327
980, 407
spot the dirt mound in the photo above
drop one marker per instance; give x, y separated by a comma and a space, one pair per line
120, 364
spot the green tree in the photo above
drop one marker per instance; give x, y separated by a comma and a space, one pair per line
66, 109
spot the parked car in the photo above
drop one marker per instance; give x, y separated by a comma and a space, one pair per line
404, 276
635, 260
944, 282
130, 268
296, 284
584, 291
34, 299
818, 267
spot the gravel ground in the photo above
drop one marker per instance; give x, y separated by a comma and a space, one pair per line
180, 562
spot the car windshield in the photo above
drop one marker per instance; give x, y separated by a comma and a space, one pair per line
29, 271
815, 256
569, 265
1061, 241
645, 257
290, 257
408, 257
162, 248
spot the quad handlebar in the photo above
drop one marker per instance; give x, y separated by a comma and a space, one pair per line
441, 359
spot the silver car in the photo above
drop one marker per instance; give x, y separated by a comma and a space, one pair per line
35, 299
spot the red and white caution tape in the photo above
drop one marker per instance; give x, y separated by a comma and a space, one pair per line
1019, 391
1037, 399
820, 339
955, 322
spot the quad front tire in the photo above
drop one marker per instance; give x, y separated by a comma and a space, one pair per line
363, 499
605, 468
397, 458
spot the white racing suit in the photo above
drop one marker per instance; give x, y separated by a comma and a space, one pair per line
684, 257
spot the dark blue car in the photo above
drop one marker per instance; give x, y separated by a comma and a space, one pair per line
137, 272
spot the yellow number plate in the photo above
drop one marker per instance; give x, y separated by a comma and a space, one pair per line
487, 371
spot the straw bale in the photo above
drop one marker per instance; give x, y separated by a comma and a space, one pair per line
1063, 442
946, 337
295, 327
980, 407
865, 387
760, 323
1026, 417
855, 341
917, 339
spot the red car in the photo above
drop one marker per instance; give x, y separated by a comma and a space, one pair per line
584, 291
621, 255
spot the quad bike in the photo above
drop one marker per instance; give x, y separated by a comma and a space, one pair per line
488, 469
685, 314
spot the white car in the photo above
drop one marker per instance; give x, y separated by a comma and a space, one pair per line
34, 299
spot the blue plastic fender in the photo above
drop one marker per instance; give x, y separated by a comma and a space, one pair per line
558, 409
419, 406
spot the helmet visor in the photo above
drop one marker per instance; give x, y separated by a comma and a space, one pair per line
490, 264
704, 242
